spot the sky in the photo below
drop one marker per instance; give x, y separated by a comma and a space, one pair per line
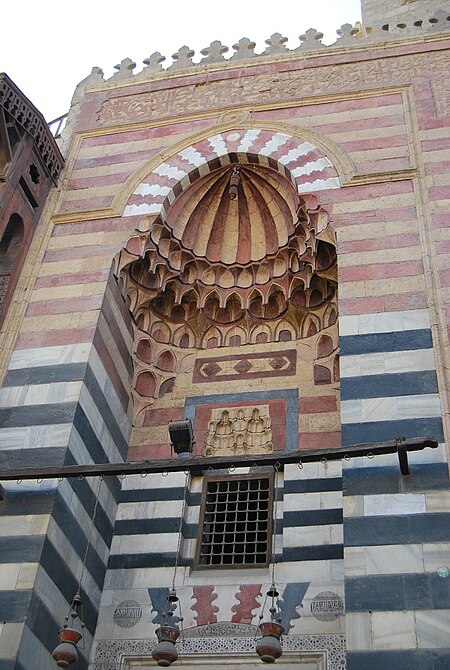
60, 42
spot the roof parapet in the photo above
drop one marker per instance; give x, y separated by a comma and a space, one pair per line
244, 49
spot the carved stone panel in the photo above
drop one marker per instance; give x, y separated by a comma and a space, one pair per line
239, 431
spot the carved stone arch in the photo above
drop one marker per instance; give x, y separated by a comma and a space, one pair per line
233, 309
166, 386
146, 384
212, 338
343, 165
275, 304
160, 332
322, 375
318, 291
310, 325
260, 334
166, 361
330, 317
235, 337
285, 332
325, 346
304, 164
144, 350
212, 294
281, 293
184, 337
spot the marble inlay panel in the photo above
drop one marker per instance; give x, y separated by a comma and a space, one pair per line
386, 504
433, 628
384, 322
394, 559
393, 630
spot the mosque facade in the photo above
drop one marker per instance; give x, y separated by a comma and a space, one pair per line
256, 246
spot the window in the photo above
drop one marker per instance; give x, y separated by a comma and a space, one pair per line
236, 521
12, 236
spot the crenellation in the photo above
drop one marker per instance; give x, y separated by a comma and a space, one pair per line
182, 59
244, 49
213, 53
124, 70
310, 42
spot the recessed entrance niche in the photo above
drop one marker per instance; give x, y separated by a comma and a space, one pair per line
238, 259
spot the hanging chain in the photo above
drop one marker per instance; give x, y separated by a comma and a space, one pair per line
94, 512
276, 468
180, 529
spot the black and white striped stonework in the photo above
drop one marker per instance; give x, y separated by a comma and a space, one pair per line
308, 553
308, 528
396, 528
388, 377
60, 405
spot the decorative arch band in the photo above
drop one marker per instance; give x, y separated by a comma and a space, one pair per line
306, 166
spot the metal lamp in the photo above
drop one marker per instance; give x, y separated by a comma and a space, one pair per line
182, 437
165, 652
66, 652
268, 646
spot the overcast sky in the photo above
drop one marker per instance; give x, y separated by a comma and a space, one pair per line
47, 47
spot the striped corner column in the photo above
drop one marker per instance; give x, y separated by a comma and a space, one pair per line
396, 527
60, 405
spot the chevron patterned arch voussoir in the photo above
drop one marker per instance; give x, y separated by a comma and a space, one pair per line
304, 164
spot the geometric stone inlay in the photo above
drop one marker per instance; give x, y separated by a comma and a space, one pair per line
211, 370
243, 366
220, 638
251, 366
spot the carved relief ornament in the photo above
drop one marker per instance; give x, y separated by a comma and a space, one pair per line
282, 86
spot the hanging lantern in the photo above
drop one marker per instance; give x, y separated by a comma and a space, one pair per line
165, 652
234, 183
66, 652
268, 646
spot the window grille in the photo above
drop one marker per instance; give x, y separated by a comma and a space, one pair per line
236, 521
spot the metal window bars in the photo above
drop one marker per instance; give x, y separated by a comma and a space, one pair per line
236, 522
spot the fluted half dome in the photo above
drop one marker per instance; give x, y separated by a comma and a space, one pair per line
208, 221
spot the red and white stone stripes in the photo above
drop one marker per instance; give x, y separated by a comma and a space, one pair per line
302, 162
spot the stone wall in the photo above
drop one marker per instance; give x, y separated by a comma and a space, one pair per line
375, 12
360, 135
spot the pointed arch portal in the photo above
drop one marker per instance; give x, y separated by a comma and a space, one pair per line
234, 251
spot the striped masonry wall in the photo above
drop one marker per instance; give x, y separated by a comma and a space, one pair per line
396, 528
65, 397
370, 128
308, 553
388, 377
59, 405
